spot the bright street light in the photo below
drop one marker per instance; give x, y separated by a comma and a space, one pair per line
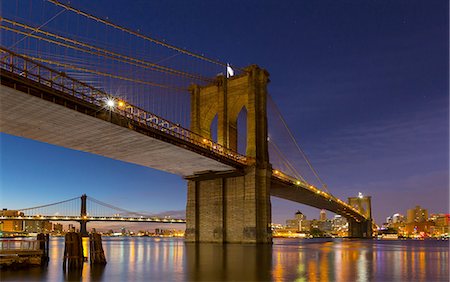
110, 103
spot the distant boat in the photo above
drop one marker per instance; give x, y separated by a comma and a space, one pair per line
388, 236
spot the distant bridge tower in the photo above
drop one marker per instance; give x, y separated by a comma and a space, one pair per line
361, 229
233, 207
83, 214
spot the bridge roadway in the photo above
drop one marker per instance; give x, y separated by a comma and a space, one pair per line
40, 112
35, 118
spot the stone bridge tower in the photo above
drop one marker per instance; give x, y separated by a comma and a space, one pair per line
233, 207
361, 229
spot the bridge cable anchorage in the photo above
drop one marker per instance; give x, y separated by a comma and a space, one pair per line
153, 40
47, 205
277, 110
99, 51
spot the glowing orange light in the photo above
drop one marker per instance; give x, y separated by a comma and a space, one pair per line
121, 104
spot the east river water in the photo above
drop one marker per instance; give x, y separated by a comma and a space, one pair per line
169, 259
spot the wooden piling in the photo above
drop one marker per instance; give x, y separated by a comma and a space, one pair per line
96, 249
44, 247
73, 251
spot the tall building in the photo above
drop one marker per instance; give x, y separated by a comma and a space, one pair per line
297, 223
323, 215
417, 214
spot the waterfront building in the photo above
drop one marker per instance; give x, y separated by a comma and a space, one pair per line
11, 225
32, 226
396, 222
441, 224
298, 223
398, 218
339, 225
57, 228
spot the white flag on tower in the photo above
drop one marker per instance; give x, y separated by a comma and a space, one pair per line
230, 71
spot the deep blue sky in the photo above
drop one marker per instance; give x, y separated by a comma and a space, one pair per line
362, 84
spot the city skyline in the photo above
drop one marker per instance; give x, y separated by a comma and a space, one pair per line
368, 103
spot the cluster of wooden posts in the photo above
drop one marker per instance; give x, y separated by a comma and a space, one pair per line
73, 250
96, 249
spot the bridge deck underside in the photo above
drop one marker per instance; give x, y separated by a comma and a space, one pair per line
31, 117
291, 192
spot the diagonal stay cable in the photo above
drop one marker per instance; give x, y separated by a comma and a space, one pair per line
296, 173
39, 27
296, 144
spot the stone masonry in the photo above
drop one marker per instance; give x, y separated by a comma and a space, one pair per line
234, 207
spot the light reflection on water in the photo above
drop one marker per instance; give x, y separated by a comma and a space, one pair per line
158, 259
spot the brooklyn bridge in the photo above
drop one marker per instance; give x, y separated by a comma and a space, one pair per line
115, 92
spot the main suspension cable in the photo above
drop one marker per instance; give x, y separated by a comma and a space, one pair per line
100, 51
52, 204
145, 37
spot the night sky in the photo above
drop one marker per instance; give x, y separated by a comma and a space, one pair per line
363, 85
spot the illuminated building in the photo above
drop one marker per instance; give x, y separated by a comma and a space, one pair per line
11, 225
323, 215
298, 223
417, 215
32, 226
339, 224
441, 224
58, 227
398, 218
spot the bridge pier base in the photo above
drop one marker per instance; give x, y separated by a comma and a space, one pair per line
359, 229
83, 229
229, 208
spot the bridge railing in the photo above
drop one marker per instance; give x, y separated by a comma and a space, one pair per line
24, 66
22, 245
